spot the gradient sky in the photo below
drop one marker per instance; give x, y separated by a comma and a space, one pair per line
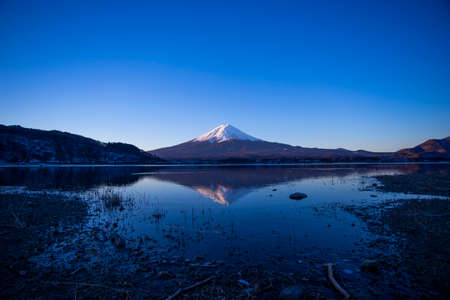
369, 75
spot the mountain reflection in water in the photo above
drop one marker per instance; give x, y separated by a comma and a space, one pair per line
225, 185
222, 184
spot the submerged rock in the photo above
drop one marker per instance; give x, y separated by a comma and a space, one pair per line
292, 292
298, 196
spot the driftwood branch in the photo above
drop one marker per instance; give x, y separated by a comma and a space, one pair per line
188, 288
335, 284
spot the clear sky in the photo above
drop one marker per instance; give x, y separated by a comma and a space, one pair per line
355, 74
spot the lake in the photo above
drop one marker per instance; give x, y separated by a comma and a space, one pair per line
231, 215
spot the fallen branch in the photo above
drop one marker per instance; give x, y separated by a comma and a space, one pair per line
76, 271
188, 288
335, 284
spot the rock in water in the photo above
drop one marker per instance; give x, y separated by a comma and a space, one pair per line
298, 196
370, 266
292, 292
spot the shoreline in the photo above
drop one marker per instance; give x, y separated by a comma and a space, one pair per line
220, 164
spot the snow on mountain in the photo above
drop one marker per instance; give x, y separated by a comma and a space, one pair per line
224, 133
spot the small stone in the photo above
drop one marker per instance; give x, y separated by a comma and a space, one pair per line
244, 282
370, 266
292, 292
298, 196
165, 275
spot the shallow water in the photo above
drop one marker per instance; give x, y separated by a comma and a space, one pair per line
228, 213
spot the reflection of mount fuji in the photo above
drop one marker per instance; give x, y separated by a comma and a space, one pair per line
221, 194
225, 185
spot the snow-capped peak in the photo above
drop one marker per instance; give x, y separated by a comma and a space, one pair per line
224, 133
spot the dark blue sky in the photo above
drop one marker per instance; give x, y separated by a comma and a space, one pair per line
354, 74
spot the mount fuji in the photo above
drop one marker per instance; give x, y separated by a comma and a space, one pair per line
225, 133
228, 143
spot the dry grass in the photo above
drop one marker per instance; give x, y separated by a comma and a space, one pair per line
112, 199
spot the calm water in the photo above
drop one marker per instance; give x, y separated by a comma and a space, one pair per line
227, 213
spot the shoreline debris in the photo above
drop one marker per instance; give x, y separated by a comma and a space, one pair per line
188, 288
335, 284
